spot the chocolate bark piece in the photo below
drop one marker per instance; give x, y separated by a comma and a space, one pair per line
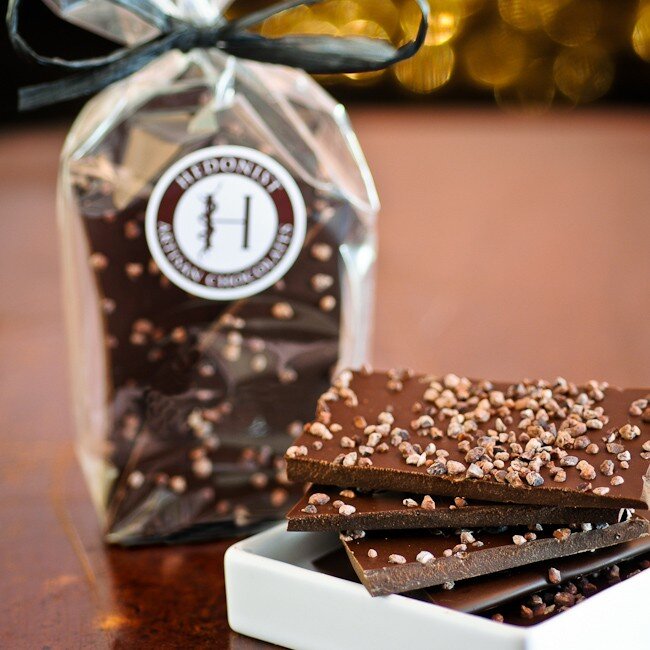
498, 590
529, 442
316, 511
400, 561
202, 396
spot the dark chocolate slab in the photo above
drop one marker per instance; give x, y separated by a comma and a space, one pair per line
515, 444
387, 510
381, 575
490, 591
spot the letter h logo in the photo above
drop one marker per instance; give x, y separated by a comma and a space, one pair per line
210, 221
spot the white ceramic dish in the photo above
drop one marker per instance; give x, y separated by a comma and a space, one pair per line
275, 594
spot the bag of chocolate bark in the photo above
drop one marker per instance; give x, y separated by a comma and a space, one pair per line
217, 220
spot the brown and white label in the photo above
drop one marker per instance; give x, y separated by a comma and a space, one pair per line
225, 222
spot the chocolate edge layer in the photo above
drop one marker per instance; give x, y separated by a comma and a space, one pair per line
484, 516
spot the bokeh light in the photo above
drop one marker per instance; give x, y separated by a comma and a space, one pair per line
312, 26
584, 73
532, 92
574, 23
495, 56
444, 20
527, 14
339, 12
283, 23
428, 70
532, 54
641, 34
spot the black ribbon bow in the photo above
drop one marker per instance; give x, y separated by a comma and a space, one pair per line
313, 53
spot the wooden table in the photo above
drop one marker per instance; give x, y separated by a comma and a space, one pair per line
509, 247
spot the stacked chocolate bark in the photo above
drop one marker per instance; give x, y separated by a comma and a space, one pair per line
435, 480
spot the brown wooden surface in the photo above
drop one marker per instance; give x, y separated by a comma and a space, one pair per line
509, 247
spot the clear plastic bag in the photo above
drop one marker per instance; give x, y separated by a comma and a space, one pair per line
190, 375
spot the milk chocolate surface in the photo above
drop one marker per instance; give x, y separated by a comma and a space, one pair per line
398, 561
502, 589
529, 442
396, 510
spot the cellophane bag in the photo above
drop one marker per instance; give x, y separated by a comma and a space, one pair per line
217, 220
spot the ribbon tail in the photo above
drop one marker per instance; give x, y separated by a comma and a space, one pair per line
90, 82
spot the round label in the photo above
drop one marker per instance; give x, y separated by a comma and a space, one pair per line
225, 222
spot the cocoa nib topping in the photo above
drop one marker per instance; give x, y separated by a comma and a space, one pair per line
296, 451
554, 576
428, 503
562, 534
321, 282
282, 311
318, 499
424, 557
527, 434
321, 251
560, 596
327, 303
351, 535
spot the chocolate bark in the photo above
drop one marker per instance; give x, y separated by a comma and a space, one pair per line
202, 396
396, 510
400, 561
491, 591
530, 442
500, 595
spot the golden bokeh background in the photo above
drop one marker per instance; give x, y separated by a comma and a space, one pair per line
530, 54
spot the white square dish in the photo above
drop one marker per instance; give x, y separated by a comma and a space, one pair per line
274, 593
